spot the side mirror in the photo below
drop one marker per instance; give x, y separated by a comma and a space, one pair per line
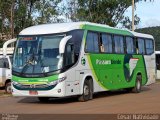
63, 43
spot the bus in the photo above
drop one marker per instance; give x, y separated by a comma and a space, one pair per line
6, 65
80, 59
157, 54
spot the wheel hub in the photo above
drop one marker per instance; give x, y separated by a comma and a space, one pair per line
86, 90
9, 89
138, 85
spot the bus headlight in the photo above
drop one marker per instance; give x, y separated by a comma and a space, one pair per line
62, 79
15, 83
57, 81
53, 83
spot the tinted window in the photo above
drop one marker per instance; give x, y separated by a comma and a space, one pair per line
141, 49
77, 36
130, 45
1, 63
149, 46
92, 42
106, 45
119, 45
158, 61
69, 54
4, 63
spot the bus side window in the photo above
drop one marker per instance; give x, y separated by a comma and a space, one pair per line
92, 45
141, 48
129, 45
149, 46
119, 44
137, 49
158, 61
70, 58
106, 43
77, 36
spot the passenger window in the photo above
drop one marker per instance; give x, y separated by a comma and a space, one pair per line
4, 63
106, 45
1, 63
77, 36
141, 49
69, 54
92, 43
158, 61
149, 46
130, 45
119, 45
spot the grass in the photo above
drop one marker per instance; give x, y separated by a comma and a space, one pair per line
4, 94
158, 80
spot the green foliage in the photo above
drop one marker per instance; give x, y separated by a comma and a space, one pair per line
127, 23
27, 13
47, 11
1, 43
109, 12
155, 32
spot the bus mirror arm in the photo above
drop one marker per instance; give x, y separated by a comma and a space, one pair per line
63, 43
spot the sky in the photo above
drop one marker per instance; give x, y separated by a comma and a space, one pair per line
149, 13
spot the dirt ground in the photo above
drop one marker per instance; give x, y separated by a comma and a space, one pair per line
148, 101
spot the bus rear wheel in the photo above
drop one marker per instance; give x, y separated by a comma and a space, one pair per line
87, 91
43, 99
138, 85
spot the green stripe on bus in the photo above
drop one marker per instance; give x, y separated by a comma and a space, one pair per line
35, 80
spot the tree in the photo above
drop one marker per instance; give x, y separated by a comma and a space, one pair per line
127, 23
5, 15
109, 12
101, 11
47, 11
155, 32
16, 15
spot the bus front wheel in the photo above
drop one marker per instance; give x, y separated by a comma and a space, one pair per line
87, 91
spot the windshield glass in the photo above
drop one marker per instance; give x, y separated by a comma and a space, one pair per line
37, 54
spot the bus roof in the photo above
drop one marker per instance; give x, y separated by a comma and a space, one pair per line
65, 27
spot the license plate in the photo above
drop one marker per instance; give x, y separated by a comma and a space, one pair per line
33, 92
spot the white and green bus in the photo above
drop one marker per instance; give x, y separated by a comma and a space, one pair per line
79, 59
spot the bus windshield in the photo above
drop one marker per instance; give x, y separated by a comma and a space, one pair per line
37, 54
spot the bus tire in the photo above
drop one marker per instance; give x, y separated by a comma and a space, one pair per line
43, 99
87, 91
8, 87
138, 84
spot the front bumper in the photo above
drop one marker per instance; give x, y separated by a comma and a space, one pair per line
58, 91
